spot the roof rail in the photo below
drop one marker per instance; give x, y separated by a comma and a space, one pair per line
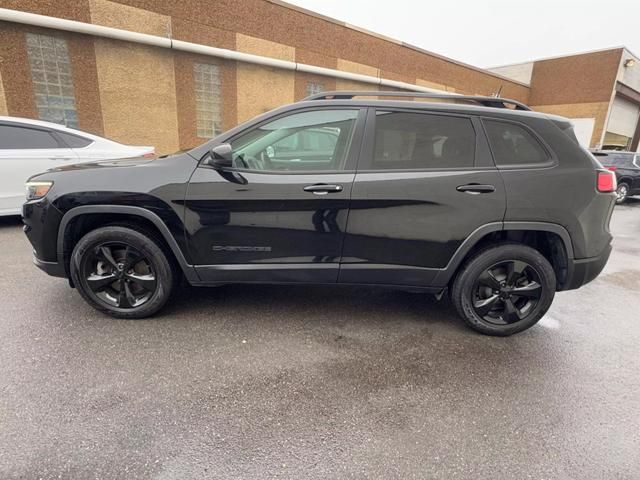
494, 102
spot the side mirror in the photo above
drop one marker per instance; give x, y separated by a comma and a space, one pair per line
221, 156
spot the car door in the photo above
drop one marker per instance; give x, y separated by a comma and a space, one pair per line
276, 218
24, 151
425, 182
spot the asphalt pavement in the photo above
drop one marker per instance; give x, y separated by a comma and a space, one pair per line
259, 382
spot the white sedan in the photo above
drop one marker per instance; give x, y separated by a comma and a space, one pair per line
30, 146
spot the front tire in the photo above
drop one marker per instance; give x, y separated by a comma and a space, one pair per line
504, 289
122, 272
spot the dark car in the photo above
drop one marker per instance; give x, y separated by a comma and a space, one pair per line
626, 165
475, 196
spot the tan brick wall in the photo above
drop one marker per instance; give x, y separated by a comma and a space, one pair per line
260, 89
331, 39
360, 68
116, 15
302, 79
15, 71
585, 78
3, 102
137, 89
85, 83
69, 9
266, 48
597, 110
434, 85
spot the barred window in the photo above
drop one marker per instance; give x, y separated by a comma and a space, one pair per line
208, 99
52, 80
314, 88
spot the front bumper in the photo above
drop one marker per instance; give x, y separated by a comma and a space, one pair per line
54, 269
586, 269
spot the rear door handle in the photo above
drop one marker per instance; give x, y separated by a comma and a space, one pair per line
475, 189
322, 188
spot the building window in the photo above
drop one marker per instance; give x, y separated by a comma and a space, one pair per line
52, 80
208, 99
314, 87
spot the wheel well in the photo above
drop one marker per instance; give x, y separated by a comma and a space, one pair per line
82, 224
626, 180
549, 244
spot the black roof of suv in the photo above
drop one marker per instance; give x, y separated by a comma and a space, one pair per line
477, 196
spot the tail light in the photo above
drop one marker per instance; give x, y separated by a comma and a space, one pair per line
606, 181
612, 169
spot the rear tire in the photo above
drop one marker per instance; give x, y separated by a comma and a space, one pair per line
122, 272
622, 193
504, 289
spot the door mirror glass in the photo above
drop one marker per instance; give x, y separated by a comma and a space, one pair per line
221, 156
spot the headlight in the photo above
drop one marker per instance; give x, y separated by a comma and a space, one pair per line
36, 190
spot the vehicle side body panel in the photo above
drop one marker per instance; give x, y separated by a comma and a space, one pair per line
392, 227
562, 193
141, 188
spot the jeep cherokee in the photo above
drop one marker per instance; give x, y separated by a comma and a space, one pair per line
475, 196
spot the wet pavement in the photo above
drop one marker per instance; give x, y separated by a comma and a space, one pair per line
317, 382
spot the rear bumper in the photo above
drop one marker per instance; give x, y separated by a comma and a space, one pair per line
586, 269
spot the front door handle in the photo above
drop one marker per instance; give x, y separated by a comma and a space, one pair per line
322, 188
475, 189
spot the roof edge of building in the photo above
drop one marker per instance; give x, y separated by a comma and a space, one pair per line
567, 55
392, 40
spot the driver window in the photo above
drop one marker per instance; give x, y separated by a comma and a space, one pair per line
309, 141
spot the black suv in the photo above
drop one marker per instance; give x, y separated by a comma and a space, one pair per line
627, 168
477, 196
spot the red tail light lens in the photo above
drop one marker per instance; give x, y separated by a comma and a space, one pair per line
606, 181
612, 169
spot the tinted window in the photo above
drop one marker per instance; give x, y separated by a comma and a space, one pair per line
308, 141
622, 160
514, 145
74, 141
416, 140
25, 138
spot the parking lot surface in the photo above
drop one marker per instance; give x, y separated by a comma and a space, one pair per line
317, 382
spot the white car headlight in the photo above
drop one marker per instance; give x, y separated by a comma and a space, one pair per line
37, 190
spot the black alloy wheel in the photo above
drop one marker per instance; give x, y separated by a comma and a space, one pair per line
506, 292
124, 271
119, 275
504, 289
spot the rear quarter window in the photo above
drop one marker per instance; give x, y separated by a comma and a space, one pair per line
74, 141
514, 145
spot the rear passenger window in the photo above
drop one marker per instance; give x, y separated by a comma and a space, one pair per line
411, 141
514, 145
21, 138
